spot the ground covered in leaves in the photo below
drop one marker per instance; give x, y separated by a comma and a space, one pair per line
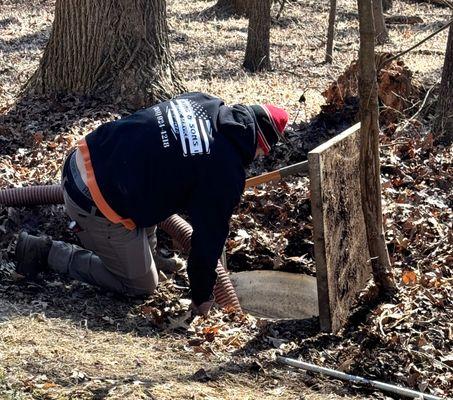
63, 339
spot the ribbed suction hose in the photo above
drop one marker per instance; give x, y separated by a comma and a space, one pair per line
175, 226
31, 195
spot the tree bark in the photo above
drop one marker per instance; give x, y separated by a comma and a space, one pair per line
257, 54
331, 31
369, 153
114, 50
443, 125
382, 34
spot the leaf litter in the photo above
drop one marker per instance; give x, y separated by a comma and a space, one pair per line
408, 342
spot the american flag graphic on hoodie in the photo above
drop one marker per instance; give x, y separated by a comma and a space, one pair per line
191, 124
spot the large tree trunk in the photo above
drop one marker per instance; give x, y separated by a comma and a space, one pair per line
382, 34
331, 30
258, 48
369, 153
111, 49
443, 126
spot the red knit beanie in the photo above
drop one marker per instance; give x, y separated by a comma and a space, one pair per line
271, 122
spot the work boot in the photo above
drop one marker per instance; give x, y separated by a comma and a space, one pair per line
31, 254
168, 265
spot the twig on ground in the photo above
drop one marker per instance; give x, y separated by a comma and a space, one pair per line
393, 144
406, 123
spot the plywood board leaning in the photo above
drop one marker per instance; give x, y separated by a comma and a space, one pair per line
341, 249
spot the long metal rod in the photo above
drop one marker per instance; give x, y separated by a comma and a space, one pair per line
299, 168
358, 379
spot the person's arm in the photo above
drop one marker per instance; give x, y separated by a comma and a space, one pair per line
210, 215
210, 229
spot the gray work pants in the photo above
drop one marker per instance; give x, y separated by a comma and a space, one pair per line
113, 257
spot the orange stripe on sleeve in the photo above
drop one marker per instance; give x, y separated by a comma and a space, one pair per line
95, 192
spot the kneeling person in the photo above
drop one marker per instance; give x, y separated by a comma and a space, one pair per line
186, 155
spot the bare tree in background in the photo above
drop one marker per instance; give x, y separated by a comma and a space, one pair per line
257, 56
443, 126
382, 34
224, 8
387, 5
115, 50
369, 153
331, 30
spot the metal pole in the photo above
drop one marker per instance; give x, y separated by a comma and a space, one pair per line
358, 379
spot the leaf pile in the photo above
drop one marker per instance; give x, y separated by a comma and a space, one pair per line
272, 229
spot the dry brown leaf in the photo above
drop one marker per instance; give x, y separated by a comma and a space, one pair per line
409, 278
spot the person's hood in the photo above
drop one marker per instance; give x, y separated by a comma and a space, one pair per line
238, 124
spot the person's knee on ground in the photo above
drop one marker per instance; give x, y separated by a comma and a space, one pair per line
143, 286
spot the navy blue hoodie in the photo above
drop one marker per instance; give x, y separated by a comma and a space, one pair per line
186, 155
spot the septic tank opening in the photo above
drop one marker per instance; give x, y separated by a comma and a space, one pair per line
276, 294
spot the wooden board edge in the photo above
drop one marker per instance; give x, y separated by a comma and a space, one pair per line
319, 241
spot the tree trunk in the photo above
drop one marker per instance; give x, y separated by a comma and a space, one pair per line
443, 125
114, 50
369, 153
331, 30
258, 48
228, 8
382, 34
387, 5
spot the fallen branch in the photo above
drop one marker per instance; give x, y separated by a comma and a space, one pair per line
420, 42
403, 19
442, 3
420, 108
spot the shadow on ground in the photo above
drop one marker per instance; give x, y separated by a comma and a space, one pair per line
31, 42
48, 117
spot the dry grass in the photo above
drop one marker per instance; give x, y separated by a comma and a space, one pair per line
53, 358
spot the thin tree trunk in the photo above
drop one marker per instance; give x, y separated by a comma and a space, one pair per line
387, 5
369, 153
443, 126
331, 30
114, 50
257, 56
382, 34
282, 5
